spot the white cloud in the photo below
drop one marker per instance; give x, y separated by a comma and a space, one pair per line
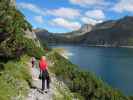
95, 14
32, 7
88, 2
64, 12
39, 19
91, 21
93, 17
124, 5
60, 22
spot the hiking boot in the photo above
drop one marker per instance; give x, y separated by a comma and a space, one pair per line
46, 91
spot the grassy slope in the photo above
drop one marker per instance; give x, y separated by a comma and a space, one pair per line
62, 92
14, 79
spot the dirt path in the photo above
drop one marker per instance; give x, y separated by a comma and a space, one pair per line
35, 93
58, 90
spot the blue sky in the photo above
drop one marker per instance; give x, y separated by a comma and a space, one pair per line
68, 15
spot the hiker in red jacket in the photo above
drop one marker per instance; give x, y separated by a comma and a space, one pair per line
43, 65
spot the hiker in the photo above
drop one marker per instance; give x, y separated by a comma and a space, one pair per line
43, 65
34, 69
33, 61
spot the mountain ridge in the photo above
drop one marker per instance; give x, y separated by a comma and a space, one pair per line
112, 32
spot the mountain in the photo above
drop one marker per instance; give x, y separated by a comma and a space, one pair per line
71, 37
104, 25
110, 33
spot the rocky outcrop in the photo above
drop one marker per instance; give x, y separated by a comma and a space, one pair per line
86, 28
30, 34
13, 2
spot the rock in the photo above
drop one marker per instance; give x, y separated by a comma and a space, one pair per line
13, 2
31, 35
86, 28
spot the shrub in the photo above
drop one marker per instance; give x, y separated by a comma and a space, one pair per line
32, 49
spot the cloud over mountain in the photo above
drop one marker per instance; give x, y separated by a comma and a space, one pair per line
91, 21
60, 22
124, 5
95, 14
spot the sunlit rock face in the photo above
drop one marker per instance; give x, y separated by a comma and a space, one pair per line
86, 28
30, 34
13, 2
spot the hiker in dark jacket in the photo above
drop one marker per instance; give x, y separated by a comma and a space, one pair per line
33, 61
43, 65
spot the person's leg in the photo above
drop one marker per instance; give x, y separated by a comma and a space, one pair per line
47, 78
43, 84
48, 81
43, 80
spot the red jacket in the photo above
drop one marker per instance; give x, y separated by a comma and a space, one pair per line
43, 65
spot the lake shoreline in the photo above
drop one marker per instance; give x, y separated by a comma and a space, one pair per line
109, 46
87, 45
63, 52
106, 62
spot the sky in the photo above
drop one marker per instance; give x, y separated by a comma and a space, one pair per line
60, 16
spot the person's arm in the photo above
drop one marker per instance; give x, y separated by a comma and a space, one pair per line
46, 65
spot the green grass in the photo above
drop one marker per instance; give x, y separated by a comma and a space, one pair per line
62, 92
14, 80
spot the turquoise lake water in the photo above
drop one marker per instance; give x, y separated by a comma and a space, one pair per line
113, 65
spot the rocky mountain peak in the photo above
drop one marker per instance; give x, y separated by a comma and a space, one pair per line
86, 28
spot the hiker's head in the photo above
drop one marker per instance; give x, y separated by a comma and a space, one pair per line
43, 58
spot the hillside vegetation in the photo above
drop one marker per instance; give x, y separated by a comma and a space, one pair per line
84, 83
14, 80
13, 25
14, 73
